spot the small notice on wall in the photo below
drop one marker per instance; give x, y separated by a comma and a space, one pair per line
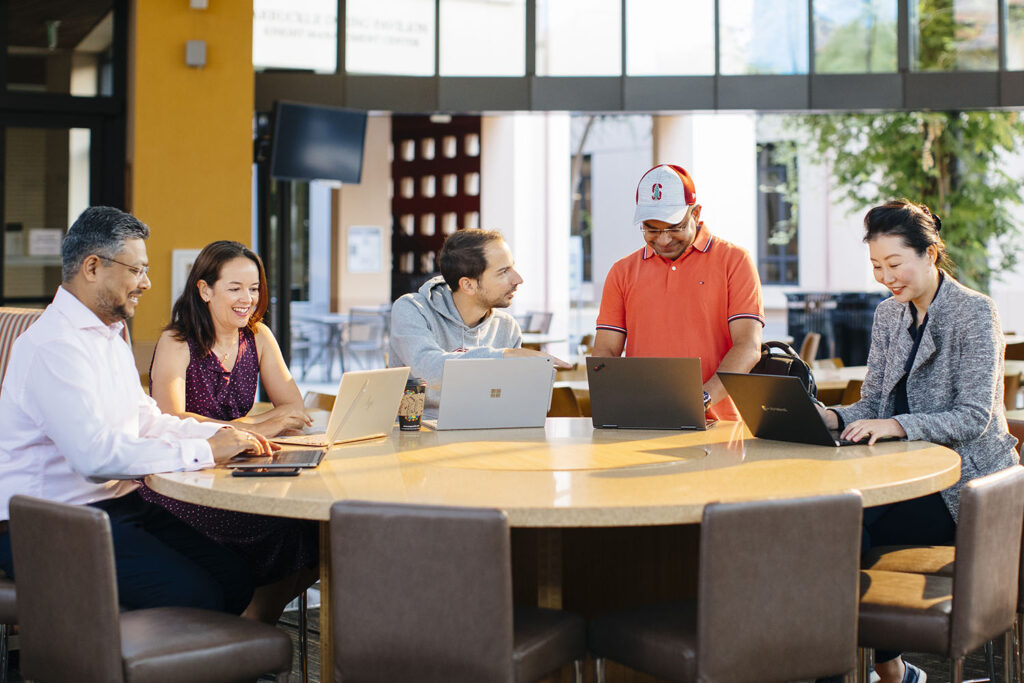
44, 241
364, 245
181, 264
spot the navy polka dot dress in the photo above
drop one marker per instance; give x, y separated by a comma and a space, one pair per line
275, 547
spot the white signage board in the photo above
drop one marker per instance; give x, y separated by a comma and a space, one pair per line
295, 34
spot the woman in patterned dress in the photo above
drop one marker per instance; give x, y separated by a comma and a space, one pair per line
206, 366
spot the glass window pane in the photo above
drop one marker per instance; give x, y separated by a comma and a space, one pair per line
394, 37
295, 34
854, 37
471, 47
1015, 35
763, 36
954, 35
653, 46
579, 38
61, 48
47, 183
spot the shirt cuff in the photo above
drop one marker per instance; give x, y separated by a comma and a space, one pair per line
196, 454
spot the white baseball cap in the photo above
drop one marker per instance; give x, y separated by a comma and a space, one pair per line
664, 194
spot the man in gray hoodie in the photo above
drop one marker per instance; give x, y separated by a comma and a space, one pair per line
456, 315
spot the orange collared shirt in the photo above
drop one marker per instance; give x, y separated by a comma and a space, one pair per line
683, 308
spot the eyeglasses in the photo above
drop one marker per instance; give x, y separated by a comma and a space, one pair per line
138, 271
653, 233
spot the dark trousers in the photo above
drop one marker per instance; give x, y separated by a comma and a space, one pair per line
163, 562
921, 521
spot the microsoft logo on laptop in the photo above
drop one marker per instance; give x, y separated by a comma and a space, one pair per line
495, 393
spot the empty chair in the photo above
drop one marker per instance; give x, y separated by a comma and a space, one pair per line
8, 617
539, 322
422, 593
809, 347
851, 394
13, 321
365, 336
776, 599
952, 615
563, 403
72, 630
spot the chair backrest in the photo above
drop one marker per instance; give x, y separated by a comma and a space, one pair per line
563, 403
420, 593
540, 321
809, 346
366, 328
851, 394
986, 571
13, 321
8, 603
67, 592
1017, 429
778, 579
318, 400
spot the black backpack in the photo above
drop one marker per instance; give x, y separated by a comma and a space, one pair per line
779, 358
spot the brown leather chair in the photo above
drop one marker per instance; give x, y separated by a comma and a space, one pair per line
851, 394
422, 593
953, 615
8, 617
776, 599
71, 628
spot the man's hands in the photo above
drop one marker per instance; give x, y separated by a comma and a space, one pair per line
530, 353
229, 442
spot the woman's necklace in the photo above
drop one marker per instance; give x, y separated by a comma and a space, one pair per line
225, 355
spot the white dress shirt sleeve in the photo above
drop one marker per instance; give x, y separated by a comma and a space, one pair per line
103, 431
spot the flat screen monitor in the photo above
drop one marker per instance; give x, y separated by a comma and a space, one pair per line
317, 143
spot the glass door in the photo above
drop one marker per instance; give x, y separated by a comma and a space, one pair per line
46, 183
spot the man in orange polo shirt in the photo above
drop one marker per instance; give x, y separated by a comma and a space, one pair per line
686, 293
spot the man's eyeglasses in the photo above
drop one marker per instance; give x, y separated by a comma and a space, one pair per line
138, 271
654, 233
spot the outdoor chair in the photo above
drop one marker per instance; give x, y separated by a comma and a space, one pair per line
777, 581
71, 628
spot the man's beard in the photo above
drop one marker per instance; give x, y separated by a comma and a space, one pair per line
114, 309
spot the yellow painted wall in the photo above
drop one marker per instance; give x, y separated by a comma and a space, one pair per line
190, 136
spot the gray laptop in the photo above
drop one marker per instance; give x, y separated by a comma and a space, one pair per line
365, 408
646, 393
778, 407
490, 393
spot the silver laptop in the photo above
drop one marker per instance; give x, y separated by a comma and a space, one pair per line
365, 408
646, 393
489, 393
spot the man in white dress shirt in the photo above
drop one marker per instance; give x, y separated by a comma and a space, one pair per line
78, 428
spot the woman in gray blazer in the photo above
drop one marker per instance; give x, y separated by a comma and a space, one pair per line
935, 373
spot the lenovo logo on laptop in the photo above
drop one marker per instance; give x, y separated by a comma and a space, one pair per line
773, 409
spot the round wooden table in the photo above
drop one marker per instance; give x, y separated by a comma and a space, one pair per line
602, 518
571, 475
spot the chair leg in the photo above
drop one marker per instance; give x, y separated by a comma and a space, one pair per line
1008, 656
577, 670
863, 665
990, 660
303, 638
599, 669
3, 653
956, 670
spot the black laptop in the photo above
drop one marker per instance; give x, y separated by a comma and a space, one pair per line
778, 407
646, 393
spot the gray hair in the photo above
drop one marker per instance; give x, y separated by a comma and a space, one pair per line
100, 230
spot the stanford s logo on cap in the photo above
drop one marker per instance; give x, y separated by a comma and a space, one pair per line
669, 196
656, 191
